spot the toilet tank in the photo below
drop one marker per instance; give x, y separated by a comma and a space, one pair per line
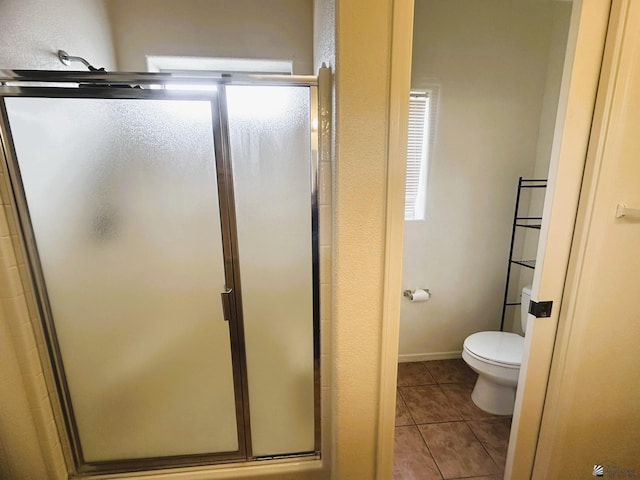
524, 307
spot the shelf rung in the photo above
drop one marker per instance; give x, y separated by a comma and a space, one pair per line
536, 181
525, 263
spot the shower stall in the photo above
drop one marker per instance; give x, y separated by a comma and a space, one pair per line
169, 223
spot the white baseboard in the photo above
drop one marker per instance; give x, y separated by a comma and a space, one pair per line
422, 357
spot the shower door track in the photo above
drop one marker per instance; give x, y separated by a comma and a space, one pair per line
101, 85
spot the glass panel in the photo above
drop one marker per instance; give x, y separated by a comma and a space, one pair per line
270, 151
123, 200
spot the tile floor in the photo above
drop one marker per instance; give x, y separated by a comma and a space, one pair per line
440, 433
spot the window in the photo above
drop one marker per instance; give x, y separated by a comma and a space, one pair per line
420, 136
218, 67
170, 63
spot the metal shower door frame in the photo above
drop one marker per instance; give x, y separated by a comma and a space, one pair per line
101, 85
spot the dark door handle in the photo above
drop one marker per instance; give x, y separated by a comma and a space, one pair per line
226, 304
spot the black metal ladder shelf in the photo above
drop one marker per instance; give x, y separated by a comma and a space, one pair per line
534, 223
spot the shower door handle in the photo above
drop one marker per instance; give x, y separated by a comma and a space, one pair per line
226, 304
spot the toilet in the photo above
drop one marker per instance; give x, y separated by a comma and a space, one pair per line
496, 358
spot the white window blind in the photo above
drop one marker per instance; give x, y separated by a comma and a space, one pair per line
417, 155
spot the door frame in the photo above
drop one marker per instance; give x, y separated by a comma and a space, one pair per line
587, 33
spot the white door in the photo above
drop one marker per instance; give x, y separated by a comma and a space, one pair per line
575, 113
591, 414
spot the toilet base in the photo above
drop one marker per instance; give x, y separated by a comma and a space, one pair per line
493, 397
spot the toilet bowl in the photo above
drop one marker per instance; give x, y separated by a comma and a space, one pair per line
496, 358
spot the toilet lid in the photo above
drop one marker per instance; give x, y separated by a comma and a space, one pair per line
501, 347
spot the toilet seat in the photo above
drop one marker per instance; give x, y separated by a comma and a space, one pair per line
498, 348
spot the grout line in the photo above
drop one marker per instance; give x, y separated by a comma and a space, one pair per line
484, 447
481, 442
462, 419
400, 399
418, 385
462, 416
441, 421
435, 462
405, 404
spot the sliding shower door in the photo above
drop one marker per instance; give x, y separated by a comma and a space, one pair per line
270, 135
122, 201
172, 239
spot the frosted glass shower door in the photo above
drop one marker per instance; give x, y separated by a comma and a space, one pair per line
123, 202
270, 138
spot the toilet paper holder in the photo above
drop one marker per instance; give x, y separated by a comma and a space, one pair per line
408, 293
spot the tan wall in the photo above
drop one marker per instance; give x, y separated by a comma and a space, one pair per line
553, 78
20, 452
32, 32
273, 29
489, 60
362, 86
324, 33
534, 200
